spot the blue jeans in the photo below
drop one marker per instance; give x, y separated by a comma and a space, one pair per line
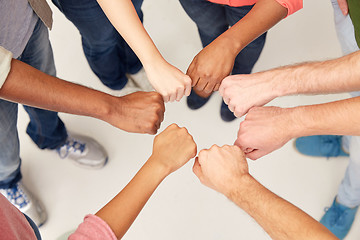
214, 19
349, 190
107, 53
45, 127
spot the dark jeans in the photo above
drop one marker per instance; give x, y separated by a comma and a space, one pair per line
213, 19
107, 53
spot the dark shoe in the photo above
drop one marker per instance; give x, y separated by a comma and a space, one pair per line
194, 101
225, 113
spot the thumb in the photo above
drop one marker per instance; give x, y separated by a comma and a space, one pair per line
343, 6
197, 168
255, 154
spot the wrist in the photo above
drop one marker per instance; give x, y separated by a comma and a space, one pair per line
161, 168
239, 190
297, 124
229, 44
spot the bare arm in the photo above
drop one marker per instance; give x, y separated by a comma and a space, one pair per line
333, 76
121, 212
139, 112
169, 81
225, 170
216, 60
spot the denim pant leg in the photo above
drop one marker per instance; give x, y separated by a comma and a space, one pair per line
9, 147
45, 128
246, 59
107, 53
349, 190
209, 18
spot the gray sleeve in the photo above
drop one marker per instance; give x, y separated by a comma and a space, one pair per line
5, 63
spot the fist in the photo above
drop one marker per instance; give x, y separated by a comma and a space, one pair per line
140, 112
173, 147
221, 168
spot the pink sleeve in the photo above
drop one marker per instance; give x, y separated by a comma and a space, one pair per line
291, 5
93, 228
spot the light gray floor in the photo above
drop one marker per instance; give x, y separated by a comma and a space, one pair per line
182, 208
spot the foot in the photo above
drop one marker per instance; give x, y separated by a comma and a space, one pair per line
225, 113
84, 151
194, 101
338, 219
141, 81
321, 146
21, 198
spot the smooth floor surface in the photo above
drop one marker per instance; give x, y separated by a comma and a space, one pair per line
181, 208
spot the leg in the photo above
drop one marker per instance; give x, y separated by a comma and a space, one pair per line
9, 147
209, 18
107, 53
45, 128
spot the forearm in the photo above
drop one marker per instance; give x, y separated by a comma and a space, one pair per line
30, 86
122, 210
334, 118
279, 218
124, 18
264, 15
332, 76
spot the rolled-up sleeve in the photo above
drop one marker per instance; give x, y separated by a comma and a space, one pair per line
5, 63
291, 5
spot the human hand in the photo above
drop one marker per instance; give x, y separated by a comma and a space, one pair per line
266, 129
210, 66
139, 112
242, 92
173, 148
343, 6
221, 168
169, 81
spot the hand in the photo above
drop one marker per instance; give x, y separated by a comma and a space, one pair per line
169, 81
210, 66
265, 129
242, 92
221, 168
140, 112
343, 6
173, 148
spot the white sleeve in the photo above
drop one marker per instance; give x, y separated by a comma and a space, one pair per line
5, 63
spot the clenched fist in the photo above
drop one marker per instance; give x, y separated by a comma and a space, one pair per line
221, 168
173, 148
140, 112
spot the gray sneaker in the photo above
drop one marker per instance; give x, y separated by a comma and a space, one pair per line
25, 201
84, 151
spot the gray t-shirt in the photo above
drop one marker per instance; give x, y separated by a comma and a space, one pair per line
17, 23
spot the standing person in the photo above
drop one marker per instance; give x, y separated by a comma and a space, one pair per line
116, 58
25, 35
233, 34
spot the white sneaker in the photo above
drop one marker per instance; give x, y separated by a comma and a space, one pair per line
130, 87
84, 151
141, 80
21, 198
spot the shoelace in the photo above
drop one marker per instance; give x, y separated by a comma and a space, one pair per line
71, 145
331, 144
17, 196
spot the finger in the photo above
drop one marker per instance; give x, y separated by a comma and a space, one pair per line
209, 87
255, 154
343, 6
200, 85
226, 99
217, 86
180, 93
172, 97
188, 85
248, 150
197, 168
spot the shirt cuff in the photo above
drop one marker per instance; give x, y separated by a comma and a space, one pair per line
5, 64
